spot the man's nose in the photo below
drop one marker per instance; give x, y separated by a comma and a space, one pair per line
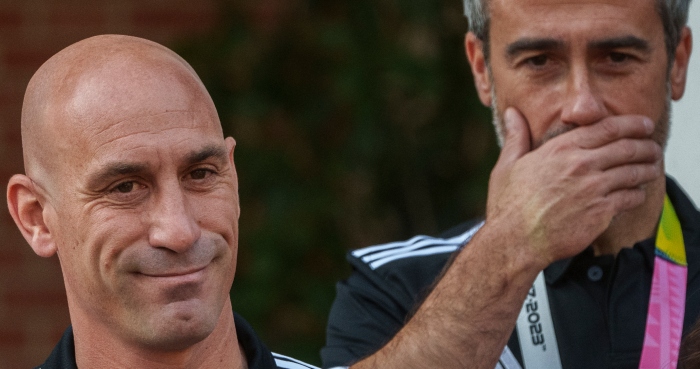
583, 102
173, 224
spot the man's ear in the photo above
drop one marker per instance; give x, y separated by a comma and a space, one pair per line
477, 60
27, 210
679, 69
231, 145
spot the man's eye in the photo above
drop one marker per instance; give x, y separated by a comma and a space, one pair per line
125, 187
618, 57
200, 173
537, 61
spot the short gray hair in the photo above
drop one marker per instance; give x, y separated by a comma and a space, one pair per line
478, 16
674, 15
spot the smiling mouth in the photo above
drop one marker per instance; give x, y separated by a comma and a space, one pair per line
176, 285
175, 274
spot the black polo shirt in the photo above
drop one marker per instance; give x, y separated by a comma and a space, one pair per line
258, 355
599, 304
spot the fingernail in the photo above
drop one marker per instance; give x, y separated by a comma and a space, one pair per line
649, 125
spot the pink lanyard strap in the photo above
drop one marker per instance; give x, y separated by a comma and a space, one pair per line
662, 339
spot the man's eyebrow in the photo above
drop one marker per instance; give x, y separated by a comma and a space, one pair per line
633, 42
532, 44
114, 170
120, 169
211, 151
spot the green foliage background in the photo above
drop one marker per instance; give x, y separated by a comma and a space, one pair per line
357, 123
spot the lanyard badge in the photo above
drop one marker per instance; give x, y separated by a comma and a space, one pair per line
662, 339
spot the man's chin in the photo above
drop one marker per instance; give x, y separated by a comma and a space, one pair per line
179, 326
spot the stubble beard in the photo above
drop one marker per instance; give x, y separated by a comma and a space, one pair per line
660, 135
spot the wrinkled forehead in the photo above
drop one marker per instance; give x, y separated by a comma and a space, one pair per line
525, 24
105, 90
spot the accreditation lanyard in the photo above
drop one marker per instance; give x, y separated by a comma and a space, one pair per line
664, 327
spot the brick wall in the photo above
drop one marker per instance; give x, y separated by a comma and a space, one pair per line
33, 311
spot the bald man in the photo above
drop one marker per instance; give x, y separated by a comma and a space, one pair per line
130, 181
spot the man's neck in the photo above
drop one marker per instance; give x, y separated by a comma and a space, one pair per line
94, 347
635, 225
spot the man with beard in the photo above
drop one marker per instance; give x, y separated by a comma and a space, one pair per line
130, 181
588, 257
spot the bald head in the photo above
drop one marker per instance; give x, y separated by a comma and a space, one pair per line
132, 184
96, 83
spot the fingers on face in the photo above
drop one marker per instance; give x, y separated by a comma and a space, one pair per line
517, 137
622, 152
619, 148
612, 129
629, 176
626, 199
615, 158
622, 187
